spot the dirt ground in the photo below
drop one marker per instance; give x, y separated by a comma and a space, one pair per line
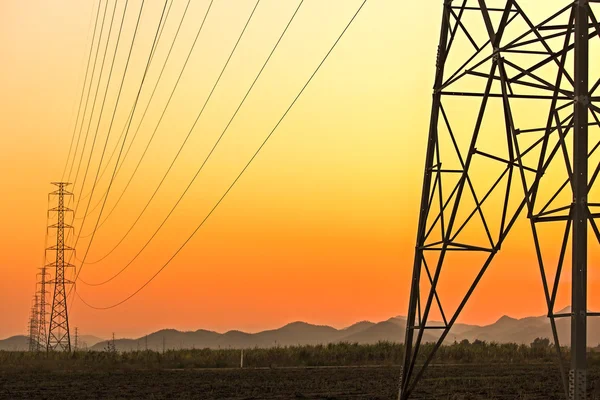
461, 382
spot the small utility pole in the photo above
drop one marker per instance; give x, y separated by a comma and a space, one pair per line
242, 359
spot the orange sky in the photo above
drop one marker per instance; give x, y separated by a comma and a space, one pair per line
321, 227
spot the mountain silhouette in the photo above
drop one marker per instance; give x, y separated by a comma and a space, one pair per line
505, 330
15, 343
21, 342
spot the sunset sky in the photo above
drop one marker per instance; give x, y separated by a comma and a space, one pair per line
322, 225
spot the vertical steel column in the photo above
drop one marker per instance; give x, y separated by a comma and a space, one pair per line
577, 375
424, 210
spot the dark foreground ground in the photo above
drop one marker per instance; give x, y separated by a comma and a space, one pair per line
455, 382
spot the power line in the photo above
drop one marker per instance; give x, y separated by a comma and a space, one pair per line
105, 94
110, 127
89, 89
205, 160
101, 109
148, 106
184, 142
171, 48
96, 97
158, 123
180, 148
87, 68
235, 180
114, 113
114, 151
110, 74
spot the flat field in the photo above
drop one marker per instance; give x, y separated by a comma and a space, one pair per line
448, 382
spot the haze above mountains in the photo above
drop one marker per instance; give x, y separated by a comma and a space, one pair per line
505, 330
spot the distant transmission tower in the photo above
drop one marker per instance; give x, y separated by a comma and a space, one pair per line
43, 279
33, 326
58, 330
508, 137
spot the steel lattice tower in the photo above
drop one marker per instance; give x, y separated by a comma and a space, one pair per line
508, 138
58, 330
34, 344
43, 279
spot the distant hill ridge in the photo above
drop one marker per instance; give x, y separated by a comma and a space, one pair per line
504, 330
21, 342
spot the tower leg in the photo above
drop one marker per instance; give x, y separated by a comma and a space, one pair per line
577, 378
424, 209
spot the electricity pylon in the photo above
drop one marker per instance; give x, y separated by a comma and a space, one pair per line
43, 279
508, 138
58, 329
34, 345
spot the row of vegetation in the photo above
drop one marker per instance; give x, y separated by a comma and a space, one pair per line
338, 354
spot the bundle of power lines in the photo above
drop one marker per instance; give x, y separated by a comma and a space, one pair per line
90, 139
